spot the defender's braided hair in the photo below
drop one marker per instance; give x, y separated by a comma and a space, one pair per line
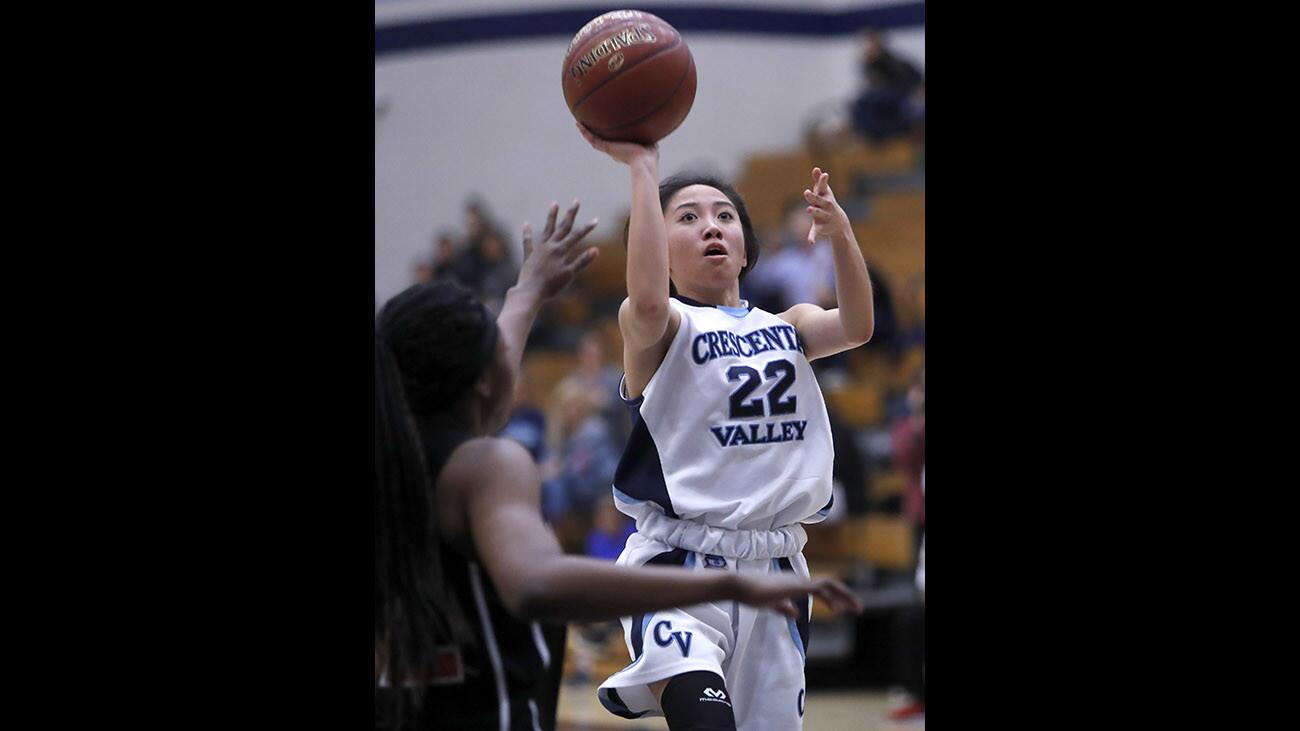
432, 342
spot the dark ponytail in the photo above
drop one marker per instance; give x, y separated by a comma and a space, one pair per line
421, 367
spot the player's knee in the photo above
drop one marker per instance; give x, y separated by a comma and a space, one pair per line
697, 701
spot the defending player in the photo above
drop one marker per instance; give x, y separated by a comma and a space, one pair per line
732, 447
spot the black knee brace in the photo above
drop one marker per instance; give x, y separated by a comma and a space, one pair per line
697, 701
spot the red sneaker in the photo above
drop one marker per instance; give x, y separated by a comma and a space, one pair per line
908, 712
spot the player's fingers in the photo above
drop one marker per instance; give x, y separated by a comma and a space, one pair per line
816, 175
596, 141
528, 240
816, 200
578, 234
582, 260
566, 223
549, 228
786, 609
838, 597
820, 215
824, 183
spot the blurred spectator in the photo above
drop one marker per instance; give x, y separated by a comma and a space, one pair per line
423, 272
852, 475
908, 436
888, 107
793, 271
484, 265
444, 257
609, 532
599, 380
909, 636
478, 223
608, 535
527, 424
885, 336
586, 455
920, 561
908, 629
915, 112
498, 272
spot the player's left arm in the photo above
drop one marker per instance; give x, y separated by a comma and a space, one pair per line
827, 332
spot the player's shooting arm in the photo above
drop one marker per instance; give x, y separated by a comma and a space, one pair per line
644, 317
647, 256
826, 332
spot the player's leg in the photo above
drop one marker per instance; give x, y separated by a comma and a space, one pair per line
695, 701
766, 671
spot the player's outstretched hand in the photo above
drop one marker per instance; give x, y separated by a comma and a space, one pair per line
828, 218
774, 591
624, 152
555, 261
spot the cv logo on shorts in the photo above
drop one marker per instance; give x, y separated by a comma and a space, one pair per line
714, 562
715, 696
684, 644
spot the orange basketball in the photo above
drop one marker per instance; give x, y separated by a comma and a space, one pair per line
629, 76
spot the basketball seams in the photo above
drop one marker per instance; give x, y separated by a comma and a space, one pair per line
624, 70
690, 67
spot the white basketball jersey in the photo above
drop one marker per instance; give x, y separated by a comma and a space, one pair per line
732, 429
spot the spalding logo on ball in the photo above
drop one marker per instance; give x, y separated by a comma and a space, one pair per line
629, 76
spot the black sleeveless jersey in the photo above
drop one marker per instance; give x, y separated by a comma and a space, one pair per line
510, 678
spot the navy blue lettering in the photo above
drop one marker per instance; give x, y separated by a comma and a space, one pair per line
666, 641
710, 345
683, 643
700, 358
771, 432
741, 342
686, 646
722, 436
788, 332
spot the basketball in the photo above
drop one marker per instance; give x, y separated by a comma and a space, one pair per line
629, 76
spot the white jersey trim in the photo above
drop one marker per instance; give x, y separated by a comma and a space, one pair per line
494, 655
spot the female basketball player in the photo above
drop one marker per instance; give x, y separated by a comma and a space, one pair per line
463, 561
732, 450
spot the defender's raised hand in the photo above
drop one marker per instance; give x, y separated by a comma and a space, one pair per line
555, 261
